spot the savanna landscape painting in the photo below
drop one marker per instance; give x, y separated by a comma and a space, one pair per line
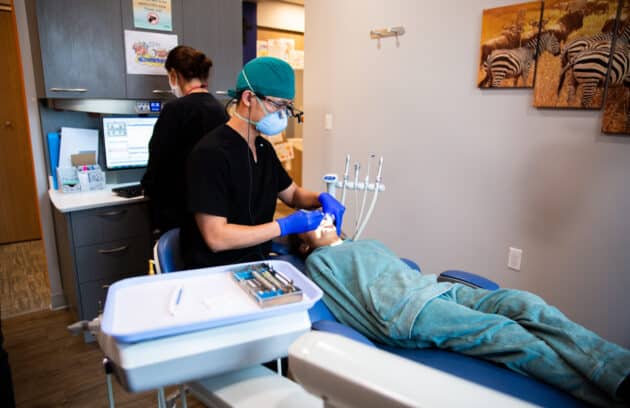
616, 117
509, 36
576, 78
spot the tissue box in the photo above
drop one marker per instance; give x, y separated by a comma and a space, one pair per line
81, 178
68, 179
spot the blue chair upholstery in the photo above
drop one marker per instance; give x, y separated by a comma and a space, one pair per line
168, 253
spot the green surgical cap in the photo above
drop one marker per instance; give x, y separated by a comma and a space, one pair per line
268, 76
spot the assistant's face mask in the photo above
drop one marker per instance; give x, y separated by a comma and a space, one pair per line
175, 89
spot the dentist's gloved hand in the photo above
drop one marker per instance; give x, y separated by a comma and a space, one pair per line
300, 221
330, 205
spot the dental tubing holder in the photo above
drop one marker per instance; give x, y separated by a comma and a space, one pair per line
333, 183
267, 286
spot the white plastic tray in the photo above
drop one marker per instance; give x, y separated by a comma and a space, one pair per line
138, 309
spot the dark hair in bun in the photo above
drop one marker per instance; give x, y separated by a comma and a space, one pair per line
189, 63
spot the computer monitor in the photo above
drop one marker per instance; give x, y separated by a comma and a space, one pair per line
126, 141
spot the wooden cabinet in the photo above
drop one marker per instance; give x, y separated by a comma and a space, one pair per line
81, 48
98, 247
216, 28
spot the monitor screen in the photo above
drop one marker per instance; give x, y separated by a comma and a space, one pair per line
127, 141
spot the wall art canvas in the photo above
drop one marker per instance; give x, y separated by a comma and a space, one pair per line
509, 36
576, 78
616, 117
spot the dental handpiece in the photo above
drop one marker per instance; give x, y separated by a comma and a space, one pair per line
282, 278
269, 276
345, 180
263, 281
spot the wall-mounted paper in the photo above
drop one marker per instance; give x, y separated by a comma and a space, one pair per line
74, 141
146, 52
153, 14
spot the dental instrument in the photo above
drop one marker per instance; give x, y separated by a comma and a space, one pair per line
176, 298
361, 216
365, 191
345, 180
331, 183
355, 186
358, 233
259, 278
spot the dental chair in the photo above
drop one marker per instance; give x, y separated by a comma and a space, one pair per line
472, 369
479, 371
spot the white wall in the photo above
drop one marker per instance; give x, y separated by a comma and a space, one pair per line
281, 16
469, 172
41, 178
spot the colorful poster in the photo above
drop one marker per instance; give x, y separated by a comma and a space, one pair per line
153, 14
146, 52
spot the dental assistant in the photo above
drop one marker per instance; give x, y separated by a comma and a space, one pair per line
234, 176
180, 126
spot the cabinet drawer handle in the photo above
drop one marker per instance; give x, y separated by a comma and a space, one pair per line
162, 91
113, 250
112, 213
67, 89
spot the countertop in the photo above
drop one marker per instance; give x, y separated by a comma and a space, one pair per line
67, 202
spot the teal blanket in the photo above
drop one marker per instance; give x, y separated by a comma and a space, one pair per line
366, 286
369, 288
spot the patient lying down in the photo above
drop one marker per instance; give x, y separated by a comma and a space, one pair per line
369, 288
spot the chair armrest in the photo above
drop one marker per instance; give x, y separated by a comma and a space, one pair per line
341, 329
467, 278
411, 264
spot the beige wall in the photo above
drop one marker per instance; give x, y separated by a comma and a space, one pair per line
280, 15
469, 173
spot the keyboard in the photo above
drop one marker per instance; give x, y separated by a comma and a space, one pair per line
129, 191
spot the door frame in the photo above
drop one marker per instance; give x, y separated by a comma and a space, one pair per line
22, 11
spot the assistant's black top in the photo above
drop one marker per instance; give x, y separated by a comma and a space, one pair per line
182, 123
224, 180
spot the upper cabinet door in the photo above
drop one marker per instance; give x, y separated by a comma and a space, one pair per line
150, 86
81, 48
216, 28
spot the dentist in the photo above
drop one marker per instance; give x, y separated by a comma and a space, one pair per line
234, 176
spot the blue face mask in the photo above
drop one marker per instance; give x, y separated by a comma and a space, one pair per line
272, 123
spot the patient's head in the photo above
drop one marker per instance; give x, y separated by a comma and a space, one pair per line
307, 242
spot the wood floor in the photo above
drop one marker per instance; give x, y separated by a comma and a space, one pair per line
52, 368
23, 279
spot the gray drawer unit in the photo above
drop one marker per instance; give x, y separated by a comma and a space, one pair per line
97, 248
112, 259
108, 224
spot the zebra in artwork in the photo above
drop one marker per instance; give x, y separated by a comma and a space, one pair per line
515, 63
598, 41
589, 68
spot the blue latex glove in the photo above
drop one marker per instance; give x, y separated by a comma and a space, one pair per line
330, 205
300, 221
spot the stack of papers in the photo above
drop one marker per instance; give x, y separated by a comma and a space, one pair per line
76, 141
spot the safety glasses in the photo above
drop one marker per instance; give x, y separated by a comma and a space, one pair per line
287, 107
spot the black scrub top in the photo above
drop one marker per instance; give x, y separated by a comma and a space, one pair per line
224, 180
182, 123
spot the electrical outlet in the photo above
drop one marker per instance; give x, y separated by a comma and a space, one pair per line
515, 257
